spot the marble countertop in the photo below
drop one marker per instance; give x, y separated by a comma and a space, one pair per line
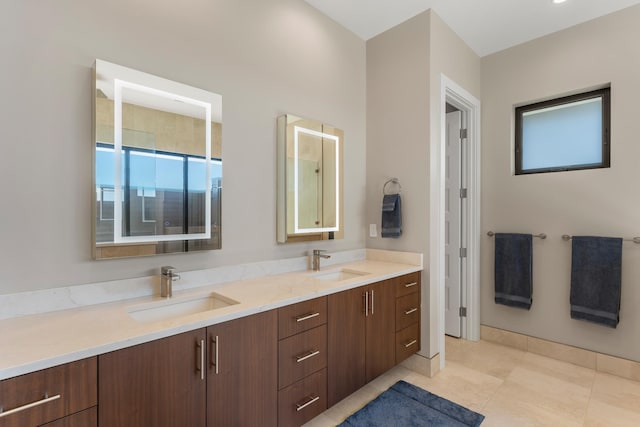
39, 341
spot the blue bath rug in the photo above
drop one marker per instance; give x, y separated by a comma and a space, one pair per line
405, 405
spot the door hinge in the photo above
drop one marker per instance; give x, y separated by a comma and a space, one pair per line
463, 252
463, 193
463, 134
463, 311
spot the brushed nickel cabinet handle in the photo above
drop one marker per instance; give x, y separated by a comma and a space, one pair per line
408, 285
46, 399
413, 310
307, 356
200, 359
310, 400
214, 357
307, 317
366, 303
410, 343
372, 305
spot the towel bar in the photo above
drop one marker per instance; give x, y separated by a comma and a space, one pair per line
541, 235
567, 237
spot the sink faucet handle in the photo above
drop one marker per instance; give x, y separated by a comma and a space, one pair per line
167, 270
170, 272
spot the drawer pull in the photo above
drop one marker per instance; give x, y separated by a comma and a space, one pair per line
413, 310
46, 399
311, 400
408, 285
307, 317
307, 356
410, 343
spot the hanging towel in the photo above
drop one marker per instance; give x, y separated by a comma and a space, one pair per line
513, 270
391, 215
596, 264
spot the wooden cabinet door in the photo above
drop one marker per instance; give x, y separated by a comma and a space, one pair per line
86, 418
345, 343
242, 377
381, 330
158, 384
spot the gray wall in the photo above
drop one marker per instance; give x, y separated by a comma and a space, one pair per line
265, 57
593, 202
404, 65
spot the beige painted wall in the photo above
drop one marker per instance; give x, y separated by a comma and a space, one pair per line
594, 202
403, 121
265, 57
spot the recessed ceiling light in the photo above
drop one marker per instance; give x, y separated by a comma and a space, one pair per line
558, 1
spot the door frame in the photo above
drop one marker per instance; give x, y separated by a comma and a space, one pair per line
456, 95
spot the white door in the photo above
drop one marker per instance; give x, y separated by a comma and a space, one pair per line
453, 220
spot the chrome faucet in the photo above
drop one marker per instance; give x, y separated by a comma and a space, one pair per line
167, 277
315, 259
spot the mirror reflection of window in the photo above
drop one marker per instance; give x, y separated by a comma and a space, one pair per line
164, 193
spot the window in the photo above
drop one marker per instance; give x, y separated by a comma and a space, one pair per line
563, 134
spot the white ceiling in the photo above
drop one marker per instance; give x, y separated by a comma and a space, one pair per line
487, 26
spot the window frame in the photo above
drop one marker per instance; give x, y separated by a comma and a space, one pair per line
604, 93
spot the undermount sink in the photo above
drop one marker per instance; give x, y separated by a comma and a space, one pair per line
177, 307
339, 275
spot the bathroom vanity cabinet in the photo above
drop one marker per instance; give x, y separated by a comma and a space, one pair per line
62, 396
276, 368
361, 337
242, 377
407, 311
222, 375
302, 362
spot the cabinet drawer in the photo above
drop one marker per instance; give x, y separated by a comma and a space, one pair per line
407, 342
56, 392
303, 400
301, 317
407, 310
407, 284
301, 355
86, 418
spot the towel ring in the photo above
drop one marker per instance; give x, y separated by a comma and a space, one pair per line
392, 181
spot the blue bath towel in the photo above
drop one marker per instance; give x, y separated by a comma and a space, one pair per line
391, 215
513, 270
596, 266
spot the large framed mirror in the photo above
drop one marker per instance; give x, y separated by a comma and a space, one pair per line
310, 180
157, 165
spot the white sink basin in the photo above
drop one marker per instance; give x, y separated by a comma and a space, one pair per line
339, 275
176, 307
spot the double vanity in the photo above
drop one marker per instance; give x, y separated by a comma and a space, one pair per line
271, 350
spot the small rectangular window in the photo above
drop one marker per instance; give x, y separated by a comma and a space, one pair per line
564, 134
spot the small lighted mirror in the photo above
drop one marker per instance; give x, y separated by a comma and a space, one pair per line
157, 164
309, 180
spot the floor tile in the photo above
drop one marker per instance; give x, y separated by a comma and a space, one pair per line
566, 371
617, 392
467, 387
601, 414
511, 387
492, 359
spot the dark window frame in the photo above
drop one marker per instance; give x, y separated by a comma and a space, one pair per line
604, 93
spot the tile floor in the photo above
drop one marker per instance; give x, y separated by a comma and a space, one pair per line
512, 387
